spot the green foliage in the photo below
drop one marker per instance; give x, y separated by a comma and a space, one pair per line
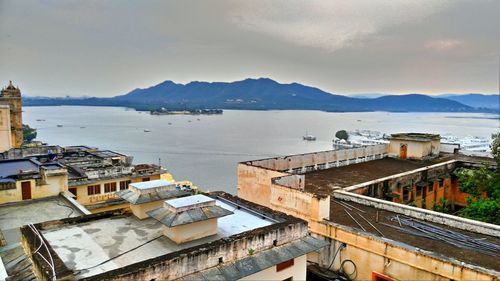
251, 251
342, 134
480, 182
484, 209
443, 206
29, 133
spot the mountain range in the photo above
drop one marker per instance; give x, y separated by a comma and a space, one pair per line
266, 94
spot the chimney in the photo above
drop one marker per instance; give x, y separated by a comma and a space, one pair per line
189, 218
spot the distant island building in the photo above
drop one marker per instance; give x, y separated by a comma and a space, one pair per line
10, 96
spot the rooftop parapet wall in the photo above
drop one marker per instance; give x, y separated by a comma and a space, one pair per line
422, 214
292, 181
321, 160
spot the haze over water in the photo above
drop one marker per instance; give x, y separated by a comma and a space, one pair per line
206, 151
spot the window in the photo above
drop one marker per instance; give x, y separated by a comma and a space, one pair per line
124, 185
284, 265
145, 179
110, 187
94, 189
380, 277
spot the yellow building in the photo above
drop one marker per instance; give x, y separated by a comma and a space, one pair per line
91, 176
11, 96
25, 179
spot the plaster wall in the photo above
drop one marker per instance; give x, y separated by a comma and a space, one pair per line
254, 183
189, 232
401, 262
299, 204
141, 209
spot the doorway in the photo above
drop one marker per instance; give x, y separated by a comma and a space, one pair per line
403, 150
26, 190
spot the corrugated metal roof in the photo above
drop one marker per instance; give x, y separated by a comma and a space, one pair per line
138, 198
259, 261
171, 219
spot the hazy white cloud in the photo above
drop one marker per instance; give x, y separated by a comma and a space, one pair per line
443, 45
329, 25
106, 48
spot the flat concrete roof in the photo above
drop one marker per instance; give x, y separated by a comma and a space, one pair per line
187, 201
321, 181
151, 184
15, 215
405, 234
14, 167
120, 241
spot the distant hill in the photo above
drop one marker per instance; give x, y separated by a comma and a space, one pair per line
476, 100
258, 94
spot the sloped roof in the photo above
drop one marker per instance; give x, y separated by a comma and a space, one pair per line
139, 198
171, 219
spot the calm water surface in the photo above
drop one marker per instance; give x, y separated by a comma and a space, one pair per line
206, 151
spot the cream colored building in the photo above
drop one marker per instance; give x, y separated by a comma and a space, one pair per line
5, 132
250, 242
26, 179
336, 192
414, 146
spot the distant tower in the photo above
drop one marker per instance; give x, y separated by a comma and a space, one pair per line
11, 96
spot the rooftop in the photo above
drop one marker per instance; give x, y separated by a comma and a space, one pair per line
392, 230
415, 136
15, 215
151, 184
14, 167
113, 242
322, 181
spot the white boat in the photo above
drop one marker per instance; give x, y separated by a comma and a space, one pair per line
146, 131
308, 137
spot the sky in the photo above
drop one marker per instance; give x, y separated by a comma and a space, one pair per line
110, 47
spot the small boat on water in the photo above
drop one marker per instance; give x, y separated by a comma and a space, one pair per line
308, 137
146, 131
82, 127
40, 120
169, 123
59, 126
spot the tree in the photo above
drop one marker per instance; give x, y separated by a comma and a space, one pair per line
342, 134
29, 133
483, 187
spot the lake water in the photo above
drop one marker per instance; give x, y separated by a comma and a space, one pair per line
206, 151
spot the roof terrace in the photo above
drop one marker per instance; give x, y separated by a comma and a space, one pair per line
107, 243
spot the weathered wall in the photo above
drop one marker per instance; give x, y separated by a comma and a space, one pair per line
189, 232
296, 272
5, 132
50, 186
299, 204
310, 161
373, 254
84, 198
140, 210
176, 266
254, 183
